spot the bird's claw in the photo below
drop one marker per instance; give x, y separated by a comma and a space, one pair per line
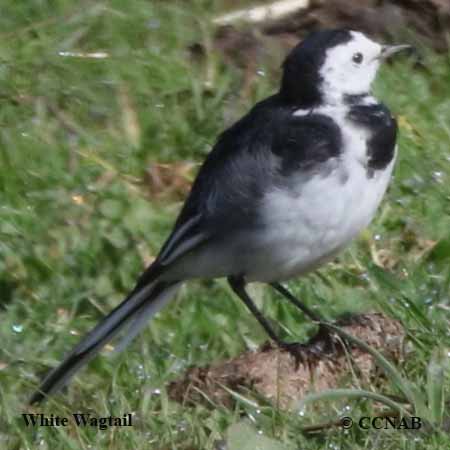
302, 354
323, 345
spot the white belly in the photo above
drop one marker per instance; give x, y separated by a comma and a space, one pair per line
307, 228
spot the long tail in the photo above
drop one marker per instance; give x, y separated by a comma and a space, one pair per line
135, 310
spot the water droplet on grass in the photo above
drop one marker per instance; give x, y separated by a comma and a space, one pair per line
182, 426
220, 445
364, 276
140, 372
17, 328
153, 24
437, 176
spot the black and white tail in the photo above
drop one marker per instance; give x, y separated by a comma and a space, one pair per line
144, 302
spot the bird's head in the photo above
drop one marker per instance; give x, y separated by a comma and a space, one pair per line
329, 65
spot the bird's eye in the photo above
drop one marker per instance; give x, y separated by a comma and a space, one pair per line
357, 58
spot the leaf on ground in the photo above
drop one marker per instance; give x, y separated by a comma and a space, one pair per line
170, 180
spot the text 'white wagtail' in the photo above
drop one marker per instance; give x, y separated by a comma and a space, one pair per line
282, 192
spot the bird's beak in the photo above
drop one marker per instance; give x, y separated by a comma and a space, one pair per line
388, 50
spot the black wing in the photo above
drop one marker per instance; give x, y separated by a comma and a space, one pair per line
228, 186
303, 143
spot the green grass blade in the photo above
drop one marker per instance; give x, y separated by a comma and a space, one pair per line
435, 386
338, 394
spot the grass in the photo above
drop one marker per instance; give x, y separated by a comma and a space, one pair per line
77, 224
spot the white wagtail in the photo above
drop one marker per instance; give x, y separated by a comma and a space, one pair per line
282, 192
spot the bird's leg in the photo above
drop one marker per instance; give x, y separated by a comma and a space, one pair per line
295, 349
238, 286
324, 341
296, 302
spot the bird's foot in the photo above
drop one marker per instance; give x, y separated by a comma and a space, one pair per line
302, 353
325, 344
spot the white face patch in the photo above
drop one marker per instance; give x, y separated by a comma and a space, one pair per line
350, 68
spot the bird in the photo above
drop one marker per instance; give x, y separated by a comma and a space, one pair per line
282, 192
